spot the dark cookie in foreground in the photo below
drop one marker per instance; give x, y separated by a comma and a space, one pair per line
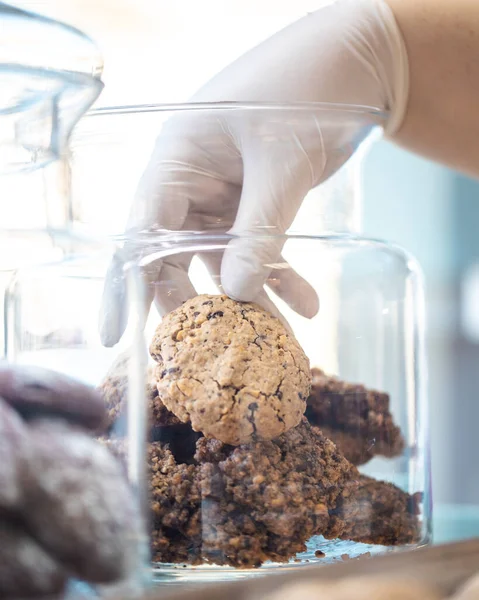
26, 569
243, 505
356, 418
77, 502
36, 392
15, 453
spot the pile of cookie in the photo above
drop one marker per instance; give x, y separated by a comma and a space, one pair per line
66, 510
251, 453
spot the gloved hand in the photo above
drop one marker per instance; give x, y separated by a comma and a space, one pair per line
221, 171
65, 507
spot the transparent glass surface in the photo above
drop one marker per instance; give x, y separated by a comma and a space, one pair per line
34, 201
51, 321
111, 148
39, 111
240, 504
32, 40
253, 504
49, 77
37, 243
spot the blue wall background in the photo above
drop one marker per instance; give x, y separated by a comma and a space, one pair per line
434, 213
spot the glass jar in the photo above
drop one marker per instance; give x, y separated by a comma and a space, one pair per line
44, 93
78, 521
272, 491
44, 90
51, 321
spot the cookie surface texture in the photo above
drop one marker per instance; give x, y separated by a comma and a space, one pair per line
78, 503
231, 369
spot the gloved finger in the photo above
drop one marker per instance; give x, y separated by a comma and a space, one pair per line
213, 261
160, 203
113, 306
293, 289
274, 188
173, 286
283, 281
26, 569
85, 521
161, 199
113, 317
149, 276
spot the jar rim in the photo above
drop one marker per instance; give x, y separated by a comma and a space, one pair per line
297, 106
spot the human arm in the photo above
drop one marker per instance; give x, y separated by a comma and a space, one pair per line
442, 44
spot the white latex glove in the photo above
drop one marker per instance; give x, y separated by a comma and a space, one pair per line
215, 172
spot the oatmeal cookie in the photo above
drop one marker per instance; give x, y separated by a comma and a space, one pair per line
114, 390
244, 505
353, 409
231, 369
376, 512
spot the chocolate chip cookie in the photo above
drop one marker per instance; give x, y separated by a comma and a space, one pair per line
26, 569
35, 392
358, 419
78, 504
231, 369
244, 505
